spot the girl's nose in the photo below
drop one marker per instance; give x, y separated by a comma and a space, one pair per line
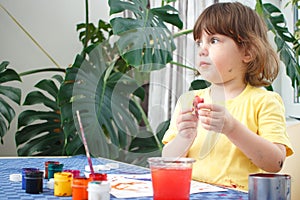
202, 50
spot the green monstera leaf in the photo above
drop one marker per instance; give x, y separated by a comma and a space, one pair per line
284, 40
39, 132
91, 33
108, 103
7, 112
145, 41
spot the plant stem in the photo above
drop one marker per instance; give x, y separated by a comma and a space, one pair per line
183, 32
146, 121
182, 65
35, 71
86, 23
28, 34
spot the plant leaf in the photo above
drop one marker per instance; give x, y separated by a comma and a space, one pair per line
199, 84
39, 132
94, 34
145, 41
48, 144
7, 112
12, 93
103, 95
277, 24
37, 97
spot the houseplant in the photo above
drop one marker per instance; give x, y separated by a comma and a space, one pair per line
101, 86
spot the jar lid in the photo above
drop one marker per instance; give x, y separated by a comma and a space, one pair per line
15, 177
34, 173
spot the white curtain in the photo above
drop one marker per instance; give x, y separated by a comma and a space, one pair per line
168, 84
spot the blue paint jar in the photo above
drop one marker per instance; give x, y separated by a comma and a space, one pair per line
24, 170
34, 182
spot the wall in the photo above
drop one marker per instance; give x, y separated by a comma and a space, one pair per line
291, 165
53, 24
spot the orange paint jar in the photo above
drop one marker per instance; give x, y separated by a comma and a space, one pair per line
79, 188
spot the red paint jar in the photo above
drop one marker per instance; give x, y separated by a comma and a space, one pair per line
98, 177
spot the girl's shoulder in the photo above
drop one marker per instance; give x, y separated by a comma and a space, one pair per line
261, 94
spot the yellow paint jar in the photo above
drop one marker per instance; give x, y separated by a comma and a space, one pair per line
63, 184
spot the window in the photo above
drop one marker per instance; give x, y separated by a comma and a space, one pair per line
288, 93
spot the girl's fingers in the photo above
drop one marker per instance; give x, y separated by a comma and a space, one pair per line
205, 113
187, 125
186, 115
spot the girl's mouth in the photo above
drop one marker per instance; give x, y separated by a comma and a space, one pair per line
203, 64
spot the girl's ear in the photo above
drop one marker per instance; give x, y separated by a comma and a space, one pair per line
248, 56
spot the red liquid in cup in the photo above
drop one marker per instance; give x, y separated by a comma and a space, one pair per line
171, 183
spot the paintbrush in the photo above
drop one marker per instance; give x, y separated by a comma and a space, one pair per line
85, 145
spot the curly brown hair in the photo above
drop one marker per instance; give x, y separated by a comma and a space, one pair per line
248, 30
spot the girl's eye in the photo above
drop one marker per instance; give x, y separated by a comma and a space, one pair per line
214, 40
199, 43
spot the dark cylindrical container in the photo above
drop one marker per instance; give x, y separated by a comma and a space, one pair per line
34, 182
269, 186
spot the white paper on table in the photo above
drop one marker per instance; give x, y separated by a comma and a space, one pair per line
130, 185
140, 185
197, 187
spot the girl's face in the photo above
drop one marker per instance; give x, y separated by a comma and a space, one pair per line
220, 60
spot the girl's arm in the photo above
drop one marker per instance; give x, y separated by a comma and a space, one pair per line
187, 131
263, 153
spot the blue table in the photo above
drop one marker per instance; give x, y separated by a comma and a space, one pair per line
13, 190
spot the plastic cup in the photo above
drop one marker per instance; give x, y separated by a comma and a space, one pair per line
171, 177
269, 186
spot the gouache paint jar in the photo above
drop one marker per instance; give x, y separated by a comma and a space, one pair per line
24, 170
98, 190
63, 184
79, 188
53, 168
75, 172
34, 182
46, 167
98, 177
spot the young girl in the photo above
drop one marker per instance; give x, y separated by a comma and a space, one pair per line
240, 128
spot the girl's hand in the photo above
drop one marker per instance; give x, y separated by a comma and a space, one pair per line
187, 123
215, 118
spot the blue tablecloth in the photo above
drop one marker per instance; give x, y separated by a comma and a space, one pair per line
13, 190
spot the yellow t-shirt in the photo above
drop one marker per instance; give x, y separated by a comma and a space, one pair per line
218, 161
